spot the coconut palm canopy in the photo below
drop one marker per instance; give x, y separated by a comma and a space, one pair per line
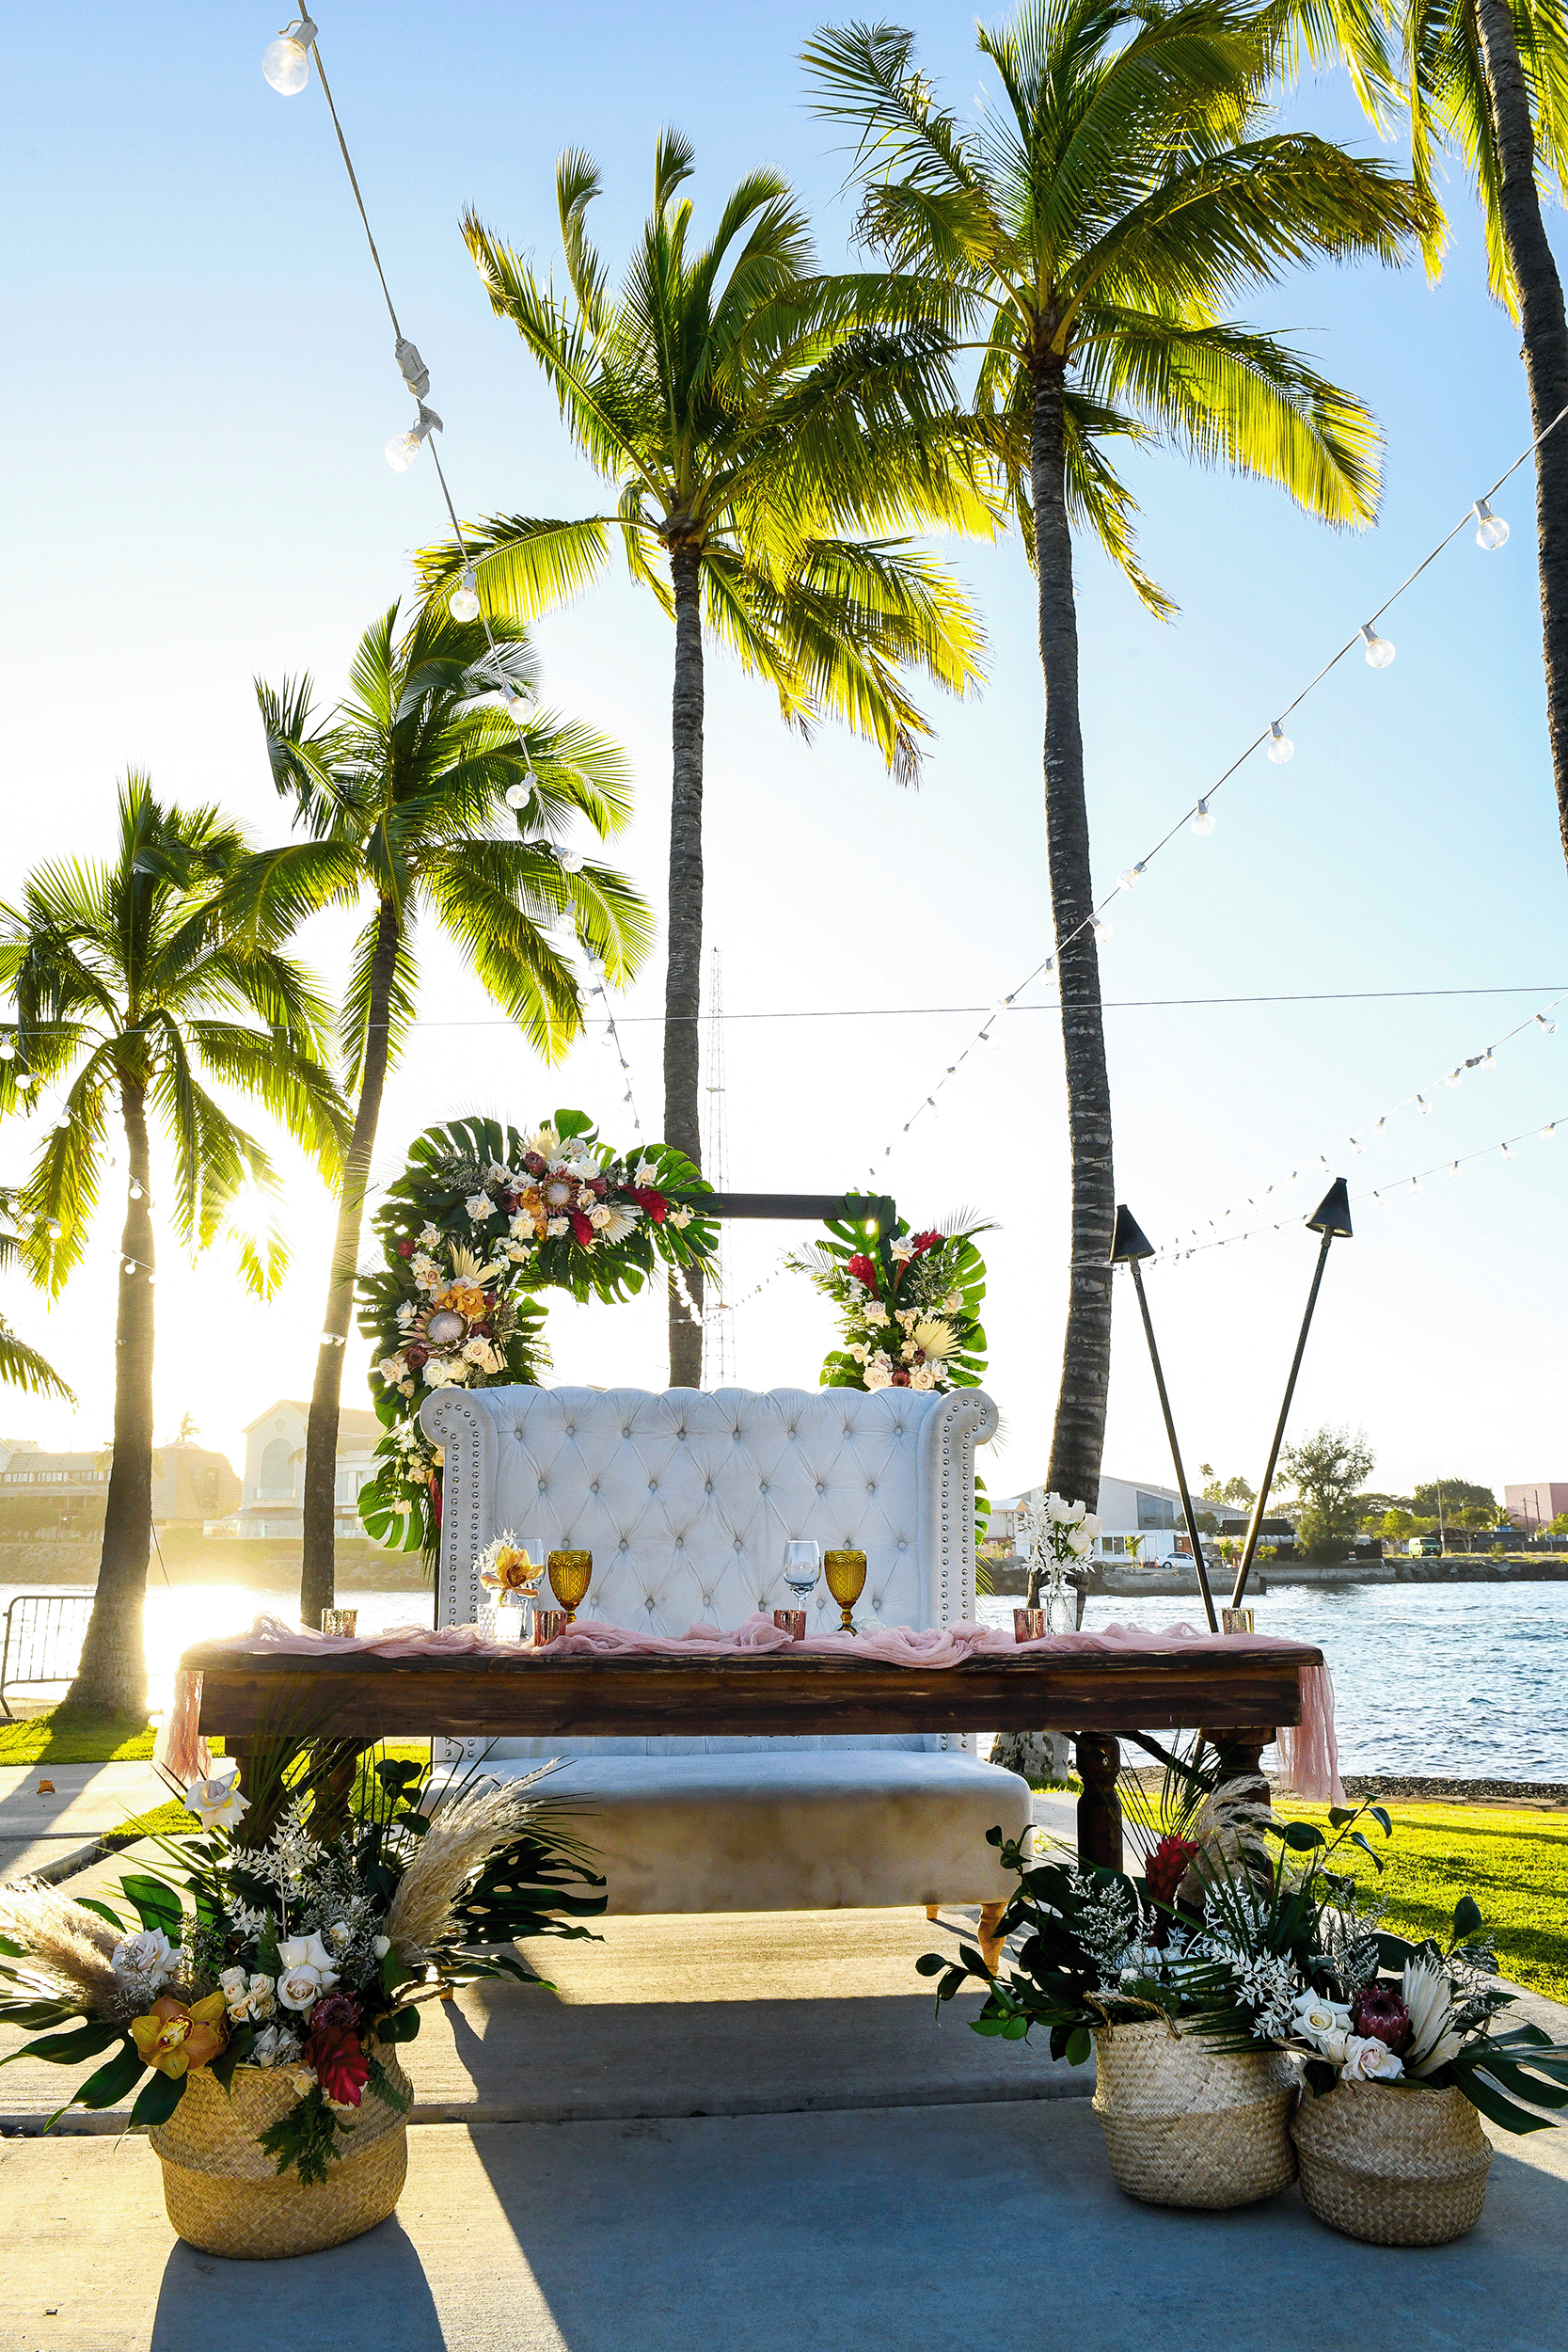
427, 799
1096, 231
131, 984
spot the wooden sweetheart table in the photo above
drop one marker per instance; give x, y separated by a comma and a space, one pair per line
1238, 1699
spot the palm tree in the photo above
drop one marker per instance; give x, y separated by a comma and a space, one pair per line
126, 980
1100, 224
407, 791
1487, 80
748, 413
20, 1365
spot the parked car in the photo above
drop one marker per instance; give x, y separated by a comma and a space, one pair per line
1424, 1548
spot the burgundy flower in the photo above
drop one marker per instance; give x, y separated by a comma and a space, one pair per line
535, 1163
340, 2065
1166, 1867
652, 1203
580, 1227
406, 1246
1378, 2015
900, 1380
416, 1354
861, 1269
598, 1186
338, 2011
921, 1243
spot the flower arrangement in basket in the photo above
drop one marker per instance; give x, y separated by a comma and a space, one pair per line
1244, 1949
481, 1220
910, 1303
259, 1989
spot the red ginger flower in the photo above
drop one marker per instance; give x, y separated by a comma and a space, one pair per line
1166, 1867
861, 1269
580, 1227
652, 1203
340, 2065
921, 1243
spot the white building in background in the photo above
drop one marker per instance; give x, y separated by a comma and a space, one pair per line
272, 1496
1141, 1519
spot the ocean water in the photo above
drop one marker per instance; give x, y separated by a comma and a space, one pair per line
1464, 1679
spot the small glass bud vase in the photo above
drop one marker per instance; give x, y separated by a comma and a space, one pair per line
1060, 1604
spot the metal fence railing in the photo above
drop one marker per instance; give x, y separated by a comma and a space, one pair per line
43, 1638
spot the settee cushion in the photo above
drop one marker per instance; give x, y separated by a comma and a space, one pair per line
796, 1830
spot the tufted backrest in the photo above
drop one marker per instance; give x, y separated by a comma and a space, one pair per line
685, 1498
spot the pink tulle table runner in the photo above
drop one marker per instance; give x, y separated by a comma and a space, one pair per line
1307, 1752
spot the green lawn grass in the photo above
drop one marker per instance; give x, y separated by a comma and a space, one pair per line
1515, 1864
79, 1738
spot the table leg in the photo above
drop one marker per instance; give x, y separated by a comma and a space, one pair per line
1099, 1807
987, 1935
1240, 1754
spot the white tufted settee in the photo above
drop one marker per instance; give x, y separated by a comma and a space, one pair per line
685, 1500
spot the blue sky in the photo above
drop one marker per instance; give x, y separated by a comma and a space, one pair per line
200, 387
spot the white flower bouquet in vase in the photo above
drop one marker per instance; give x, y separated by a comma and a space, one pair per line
1054, 1539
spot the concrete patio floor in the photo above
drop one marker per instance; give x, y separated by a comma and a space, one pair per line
854, 2231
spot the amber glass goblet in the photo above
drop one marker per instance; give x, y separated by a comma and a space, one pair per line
846, 1574
569, 1572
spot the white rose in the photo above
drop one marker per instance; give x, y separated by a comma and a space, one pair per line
680, 1218
1079, 1542
407, 1313
859, 1350
878, 1375
901, 1251
301, 1987
1315, 2017
874, 1314
303, 2079
262, 2003
340, 1935
429, 1236
304, 1951
554, 1228
275, 2045
924, 1376
953, 1302
1091, 1526
1369, 2060
391, 1368
217, 1800
1057, 1509
478, 1352
235, 1987
381, 1946
150, 1954
480, 1206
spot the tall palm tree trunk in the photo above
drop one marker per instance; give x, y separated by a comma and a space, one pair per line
683, 979
1545, 343
317, 1586
1079, 1435
112, 1673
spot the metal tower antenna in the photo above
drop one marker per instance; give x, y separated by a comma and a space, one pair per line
718, 1320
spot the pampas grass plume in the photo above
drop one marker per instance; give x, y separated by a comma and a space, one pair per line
67, 1945
465, 1832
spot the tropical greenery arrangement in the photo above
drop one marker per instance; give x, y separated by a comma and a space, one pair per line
300, 1940
1245, 1930
481, 1220
910, 1302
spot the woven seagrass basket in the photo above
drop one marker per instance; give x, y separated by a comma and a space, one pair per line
1395, 2167
224, 2192
1187, 2126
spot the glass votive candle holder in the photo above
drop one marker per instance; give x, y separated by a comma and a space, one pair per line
791, 1621
548, 1625
1028, 1625
340, 1621
1237, 1621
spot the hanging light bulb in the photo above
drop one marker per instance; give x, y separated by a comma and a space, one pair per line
1453, 1077
1548, 1133
1132, 877
1509, 1153
129, 1267
1454, 1169
1488, 1060
25, 1078
136, 1189
1550, 1026
1280, 746
286, 61
570, 861
1491, 529
8, 1047
1423, 1106
1100, 929
1379, 651
1203, 817
517, 706
464, 602
517, 795
53, 1229
404, 448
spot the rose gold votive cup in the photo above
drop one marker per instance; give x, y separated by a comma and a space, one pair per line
1237, 1621
791, 1621
340, 1621
1028, 1625
549, 1624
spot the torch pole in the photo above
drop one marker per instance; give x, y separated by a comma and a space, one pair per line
1245, 1570
1193, 1535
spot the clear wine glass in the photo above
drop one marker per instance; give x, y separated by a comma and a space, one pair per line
803, 1565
